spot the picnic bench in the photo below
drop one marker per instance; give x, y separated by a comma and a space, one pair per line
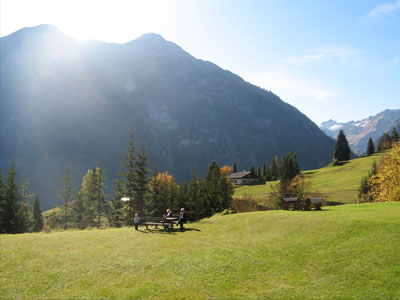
159, 221
298, 204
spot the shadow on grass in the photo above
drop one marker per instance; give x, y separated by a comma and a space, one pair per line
172, 231
340, 163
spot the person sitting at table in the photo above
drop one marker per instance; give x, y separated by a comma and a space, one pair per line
169, 213
182, 218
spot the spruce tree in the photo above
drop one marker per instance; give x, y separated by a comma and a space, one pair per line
371, 147
258, 171
2, 205
37, 215
141, 181
394, 135
289, 167
234, 168
274, 168
116, 214
264, 172
252, 170
24, 207
130, 180
11, 202
342, 149
100, 195
65, 193
385, 142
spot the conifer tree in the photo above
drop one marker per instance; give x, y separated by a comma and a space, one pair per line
234, 168
274, 168
258, 171
11, 202
78, 211
24, 207
252, 170
2, 205
394, 135
99, 189
371, 147
342, 149
65, 193
37, 215
141, 181
130, 180
385, 142
116, 214
289, 167
264, 172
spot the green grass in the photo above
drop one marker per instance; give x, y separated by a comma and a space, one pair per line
336, 183
343, 252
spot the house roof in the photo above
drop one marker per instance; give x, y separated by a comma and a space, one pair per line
240, 175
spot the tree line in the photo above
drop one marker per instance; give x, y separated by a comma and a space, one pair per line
17, 215
135, 191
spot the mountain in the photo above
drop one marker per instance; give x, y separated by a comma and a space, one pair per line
65, 101
359, 132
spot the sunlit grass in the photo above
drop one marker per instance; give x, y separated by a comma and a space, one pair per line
343, 252
335, 183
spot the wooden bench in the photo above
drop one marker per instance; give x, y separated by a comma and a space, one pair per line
297, 204
158, 221
292, 202
316, 202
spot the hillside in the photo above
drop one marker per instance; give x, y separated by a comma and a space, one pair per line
359, 132
343, 252
335, 183
65, 101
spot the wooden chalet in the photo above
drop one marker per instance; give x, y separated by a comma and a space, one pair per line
244, 178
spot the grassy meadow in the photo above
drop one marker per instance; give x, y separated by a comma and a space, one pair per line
342, 252
335, 183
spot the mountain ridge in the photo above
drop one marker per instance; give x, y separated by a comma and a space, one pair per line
70, 102
358, 132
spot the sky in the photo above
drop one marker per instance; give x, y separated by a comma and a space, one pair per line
330, 59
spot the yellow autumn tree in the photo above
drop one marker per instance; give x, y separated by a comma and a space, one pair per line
162, 190
385, 184
226, 170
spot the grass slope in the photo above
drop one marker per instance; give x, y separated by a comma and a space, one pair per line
336, 183
343, 252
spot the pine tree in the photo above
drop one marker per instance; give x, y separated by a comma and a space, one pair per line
342, 149
218, 190
65, 193
11, 202
275, 168
234, 168
2, 206
289, 167
141, 181
78, 211
252, 170
394, 135
264, 172
258, 171
24, 208
385, 142
37, 215
371, 147
116, 214
100, 195
130, 180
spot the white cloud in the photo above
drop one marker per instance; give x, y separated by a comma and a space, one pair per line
323, 54
385, 9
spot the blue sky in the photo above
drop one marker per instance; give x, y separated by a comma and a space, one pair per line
331, 59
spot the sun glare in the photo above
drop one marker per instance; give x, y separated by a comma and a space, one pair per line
111, 21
